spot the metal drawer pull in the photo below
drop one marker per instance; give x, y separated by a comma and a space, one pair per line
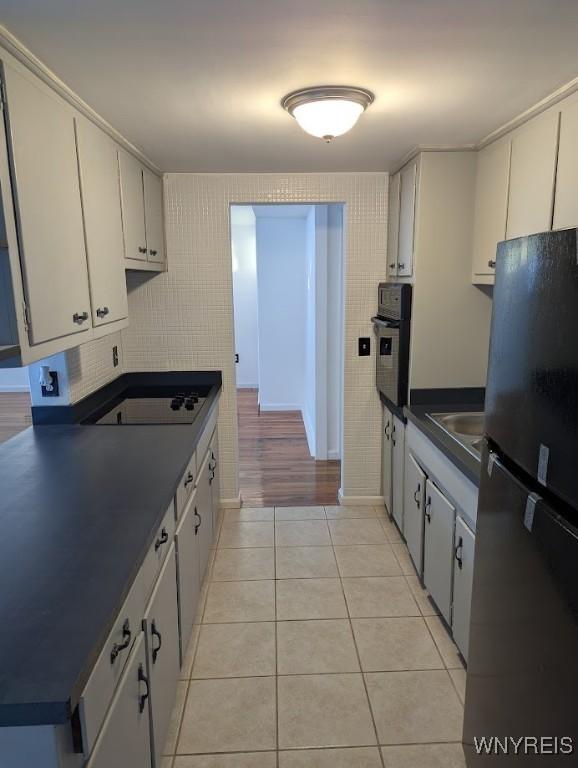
142, 249
80, 318
157, 634
163, 538
152, 253
392, 266
102, 312
212, 477
459, 549
118, 647
400, 265
393, 436
416, 495
189, 479
386, 430
492, 264
198, 525
142, 678
426, 508
212, 466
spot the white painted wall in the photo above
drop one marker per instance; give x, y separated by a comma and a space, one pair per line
244, 256
14, 380
334, 385
281, 279
309, 409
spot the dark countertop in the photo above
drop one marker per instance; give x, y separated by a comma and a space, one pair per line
79, 508
456, 453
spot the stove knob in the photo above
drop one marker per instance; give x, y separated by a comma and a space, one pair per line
175, 404
189, 404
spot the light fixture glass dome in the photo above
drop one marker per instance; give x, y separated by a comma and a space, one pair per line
327, 111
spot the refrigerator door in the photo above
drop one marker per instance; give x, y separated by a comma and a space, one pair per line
522, 678
532, 387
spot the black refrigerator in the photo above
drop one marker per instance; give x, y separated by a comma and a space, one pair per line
522, 677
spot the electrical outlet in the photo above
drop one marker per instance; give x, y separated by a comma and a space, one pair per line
114, 356
54, 391
364, 346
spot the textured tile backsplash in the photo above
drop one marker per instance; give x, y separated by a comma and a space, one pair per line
183, 319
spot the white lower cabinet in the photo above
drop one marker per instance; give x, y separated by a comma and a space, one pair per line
161, 629
386, 458
397, 464
414, 492
215, 481
438, 548
189, 579
463, 573
204, 513
124, 740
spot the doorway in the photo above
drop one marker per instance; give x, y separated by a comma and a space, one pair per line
287, 263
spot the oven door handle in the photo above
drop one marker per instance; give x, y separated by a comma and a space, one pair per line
378, 321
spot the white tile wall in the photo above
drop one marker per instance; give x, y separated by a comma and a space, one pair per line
90, 366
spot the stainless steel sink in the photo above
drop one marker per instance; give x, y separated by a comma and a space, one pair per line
466, 428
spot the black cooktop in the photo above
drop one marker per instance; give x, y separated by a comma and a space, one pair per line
166, 405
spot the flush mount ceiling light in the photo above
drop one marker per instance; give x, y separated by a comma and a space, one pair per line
327, 111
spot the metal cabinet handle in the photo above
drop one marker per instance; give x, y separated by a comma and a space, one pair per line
459, 549
416, 495
212, 466
80, 317
142, 678
492, 264
162, 539
189, 479
152, 253
427, 507
102, 312
198, 525
118, 647
400, 265
157, 634
392, 266
386, 431
142, 249
393, 435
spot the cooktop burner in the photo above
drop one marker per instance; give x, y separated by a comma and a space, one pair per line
182, 407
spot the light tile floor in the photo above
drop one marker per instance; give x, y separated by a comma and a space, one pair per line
315, 646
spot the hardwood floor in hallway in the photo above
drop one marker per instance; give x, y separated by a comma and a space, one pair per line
275, 466
15, 414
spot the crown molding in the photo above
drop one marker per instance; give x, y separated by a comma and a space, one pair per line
24, 56
430, 148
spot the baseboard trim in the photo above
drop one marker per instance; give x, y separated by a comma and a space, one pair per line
234, 503
333, 456
360, 501
280, 407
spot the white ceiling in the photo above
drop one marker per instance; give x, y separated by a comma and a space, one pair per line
197, 83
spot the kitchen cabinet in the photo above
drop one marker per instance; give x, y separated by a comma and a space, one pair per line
204, 513
124, 741
153, 206
532, 176
393, 224
101, 206
464, 546
161, 629
387, 459
215, 482
566, 201
133, 207
408, 181
438, 548
397, 463
188, 570
491, 207
48, 207
413, 516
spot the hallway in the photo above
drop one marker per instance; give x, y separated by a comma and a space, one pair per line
275, 466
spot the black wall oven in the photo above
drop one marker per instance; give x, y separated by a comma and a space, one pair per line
392, 330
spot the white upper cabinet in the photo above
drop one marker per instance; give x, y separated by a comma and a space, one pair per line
532, 175
98, 166
566, 203
393, 224
491, 205
133, 209
408, 180
45, 171
153, 203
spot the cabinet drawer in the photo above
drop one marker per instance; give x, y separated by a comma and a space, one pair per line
187, 484
107, 671
158, 551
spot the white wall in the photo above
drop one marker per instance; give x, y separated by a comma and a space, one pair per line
281, 279
244, 256
14, 380
309, 409
334, 385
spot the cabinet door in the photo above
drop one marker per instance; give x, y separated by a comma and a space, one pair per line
204, 510
101, 208
215, 482
491, 206
124, 740
414, 494
386, 458
133, 210
187, 546
161, 625
566, 200
408, 176
438, 548
463, 574
153, 200
393, 225
398, 457
47, 192
532, 174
